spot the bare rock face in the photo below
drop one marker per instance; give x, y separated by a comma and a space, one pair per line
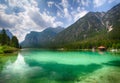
39, 39
112, 17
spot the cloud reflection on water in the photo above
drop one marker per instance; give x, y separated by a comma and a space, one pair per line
18, 69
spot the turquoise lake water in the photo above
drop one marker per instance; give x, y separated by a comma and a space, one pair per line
48, 66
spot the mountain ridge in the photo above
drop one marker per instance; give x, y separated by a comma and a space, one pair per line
39, 39
94, 26
92, 30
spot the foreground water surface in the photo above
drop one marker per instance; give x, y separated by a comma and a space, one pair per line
48, 66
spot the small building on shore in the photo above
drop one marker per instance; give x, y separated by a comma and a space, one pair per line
102, 48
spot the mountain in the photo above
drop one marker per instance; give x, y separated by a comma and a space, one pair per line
94, 26
8, 33
112, 16
112, 22
92, 30
85, 27
40, 39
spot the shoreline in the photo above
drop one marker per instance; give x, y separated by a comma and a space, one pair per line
8, 49
64, 49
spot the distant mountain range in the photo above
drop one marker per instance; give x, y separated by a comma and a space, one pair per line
95, 26
40, 39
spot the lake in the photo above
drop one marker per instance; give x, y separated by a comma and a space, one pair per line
50, 66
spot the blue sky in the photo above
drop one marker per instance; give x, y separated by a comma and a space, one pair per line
23, 16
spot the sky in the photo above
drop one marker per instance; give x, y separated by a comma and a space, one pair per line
23, 16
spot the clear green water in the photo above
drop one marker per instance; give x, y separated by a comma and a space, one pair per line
45, 66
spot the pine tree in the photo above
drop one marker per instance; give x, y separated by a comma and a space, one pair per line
4, 39
14, 42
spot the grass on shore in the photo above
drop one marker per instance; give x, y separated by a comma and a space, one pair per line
7, 49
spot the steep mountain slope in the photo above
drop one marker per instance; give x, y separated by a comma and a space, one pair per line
112, 17
85, 27
40, 39
93, 24
112, 22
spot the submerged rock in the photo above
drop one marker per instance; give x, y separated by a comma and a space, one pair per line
104, 75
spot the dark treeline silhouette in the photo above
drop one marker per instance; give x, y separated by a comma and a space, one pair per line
5, 40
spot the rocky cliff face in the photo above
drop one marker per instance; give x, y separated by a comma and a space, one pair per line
112, 17
39, 39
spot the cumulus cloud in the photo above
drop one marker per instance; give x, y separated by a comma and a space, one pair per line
83, 2
98, 3
7, 21
50, 3
79, 13
21, 23
74, 14
2, 7
65, 5
110, 1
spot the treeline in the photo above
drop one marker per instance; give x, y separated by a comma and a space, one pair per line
109, 40
5, 40
93, 44
87, 44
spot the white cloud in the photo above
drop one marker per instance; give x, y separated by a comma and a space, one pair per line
50, 3
61, 10
22, 3
7, 21
110, 1
59, 14
49, 20
64, 3
85, 2
98, 3
78, 1
66, 12
79, 15
80, 12
23, 22
58, 24
2, 7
